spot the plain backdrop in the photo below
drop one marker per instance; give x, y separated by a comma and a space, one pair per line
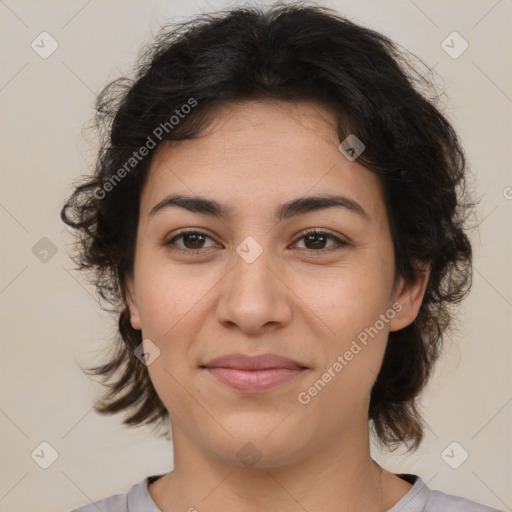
50, 319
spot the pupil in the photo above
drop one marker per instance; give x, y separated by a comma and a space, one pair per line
311, 237
195, 239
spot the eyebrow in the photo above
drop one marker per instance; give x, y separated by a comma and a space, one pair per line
287, 210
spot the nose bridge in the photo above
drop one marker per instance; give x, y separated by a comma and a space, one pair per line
253, 295
252, 262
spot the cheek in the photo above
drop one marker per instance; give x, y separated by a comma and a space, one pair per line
170, 295
348, 298
351, 355
350, 301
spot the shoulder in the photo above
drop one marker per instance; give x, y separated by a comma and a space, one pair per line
447, 502
421, 499
137, 498
114, 503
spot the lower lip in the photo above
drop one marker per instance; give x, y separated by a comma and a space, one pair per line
253, 381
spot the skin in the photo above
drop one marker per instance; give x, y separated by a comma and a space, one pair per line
308, 307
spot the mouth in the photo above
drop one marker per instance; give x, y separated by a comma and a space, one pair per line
253, 374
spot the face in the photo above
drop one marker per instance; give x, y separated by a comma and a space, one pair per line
248, 278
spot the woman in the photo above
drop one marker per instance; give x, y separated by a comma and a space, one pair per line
277, 213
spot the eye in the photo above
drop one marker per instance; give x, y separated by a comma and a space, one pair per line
315, 241
193, 242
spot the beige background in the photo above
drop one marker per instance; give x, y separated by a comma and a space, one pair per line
50, 318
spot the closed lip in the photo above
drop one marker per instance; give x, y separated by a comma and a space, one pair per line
253, 362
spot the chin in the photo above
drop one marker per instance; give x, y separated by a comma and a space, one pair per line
258, 449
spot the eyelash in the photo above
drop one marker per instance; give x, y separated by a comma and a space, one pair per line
192, 252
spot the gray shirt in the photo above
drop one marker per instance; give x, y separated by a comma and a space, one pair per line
419, 499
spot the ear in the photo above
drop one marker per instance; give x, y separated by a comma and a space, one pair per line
410, 296
132, 303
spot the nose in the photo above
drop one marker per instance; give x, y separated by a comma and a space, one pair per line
254, 297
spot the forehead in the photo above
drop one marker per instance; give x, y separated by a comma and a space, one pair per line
256, 155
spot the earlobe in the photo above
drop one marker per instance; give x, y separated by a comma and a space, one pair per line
410, 297
132, 304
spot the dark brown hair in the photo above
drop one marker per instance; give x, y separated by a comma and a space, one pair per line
289, 53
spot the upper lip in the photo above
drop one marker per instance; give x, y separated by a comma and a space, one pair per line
255, 362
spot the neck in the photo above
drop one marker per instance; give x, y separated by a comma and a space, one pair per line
340, 476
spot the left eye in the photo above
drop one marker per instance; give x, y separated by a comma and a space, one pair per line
319, 238
193, 240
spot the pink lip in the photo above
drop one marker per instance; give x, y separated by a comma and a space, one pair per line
252, 381
253, 373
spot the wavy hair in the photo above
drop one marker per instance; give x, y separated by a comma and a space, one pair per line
289, 52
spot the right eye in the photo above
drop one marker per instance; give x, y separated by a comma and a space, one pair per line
191, 238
